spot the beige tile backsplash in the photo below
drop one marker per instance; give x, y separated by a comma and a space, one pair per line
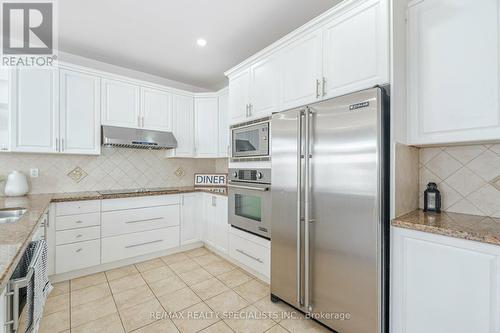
467, 176
115, 168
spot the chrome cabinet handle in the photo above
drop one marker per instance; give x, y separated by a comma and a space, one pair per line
57, 144
79, 221
79, 250
250, 106
318, 83
139, 121
142, 121
246, 114
249, 256
146, 243
262, 189
146, 220
324, 86
63, 146
79, 235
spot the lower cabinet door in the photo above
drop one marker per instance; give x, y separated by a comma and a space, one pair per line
71, 257
250, 254
139, 243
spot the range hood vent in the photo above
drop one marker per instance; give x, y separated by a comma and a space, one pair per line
124, 137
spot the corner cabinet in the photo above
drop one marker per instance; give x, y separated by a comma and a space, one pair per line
453, 84
206, 124
442, 284
183, 126
120, 104
239, 96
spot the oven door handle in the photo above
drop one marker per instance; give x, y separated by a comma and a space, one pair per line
262, 189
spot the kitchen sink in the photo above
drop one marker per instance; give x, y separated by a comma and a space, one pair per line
10, 215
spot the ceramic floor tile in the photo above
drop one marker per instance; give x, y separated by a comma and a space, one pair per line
173, 258
206, 259
127, 282
85, 295
219, 267
301, 324
167, 285
278, 311
88, 281
195, 318
160, 326
201, 251
226, 302
107, 324
184, 266
94, 310
195, 276
250, 320
133, 297
60, 288
209, 288
234, 278
277, 329
149, 264
179, 300
156, 274
252, 290
55, 322
219, 327
140, 315
56, 304
121, 272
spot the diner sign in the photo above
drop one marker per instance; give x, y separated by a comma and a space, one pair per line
210, 179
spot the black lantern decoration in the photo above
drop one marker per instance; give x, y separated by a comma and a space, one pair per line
432, 199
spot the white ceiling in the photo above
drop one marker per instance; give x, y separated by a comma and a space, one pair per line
159, 36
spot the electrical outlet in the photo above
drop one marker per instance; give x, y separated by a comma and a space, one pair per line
34, 173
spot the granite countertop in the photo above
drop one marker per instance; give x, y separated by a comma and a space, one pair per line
472, 227
15, 237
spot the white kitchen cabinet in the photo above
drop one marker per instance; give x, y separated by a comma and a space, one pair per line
356, 49
80, 112
453, 63
239, 96
120, 104
5, 88
209, 216
156, 109
252, 252
442, 284
264, 88
206, 126
191, 227
301, 71
34, 110
183, 129
224, 132
215, 222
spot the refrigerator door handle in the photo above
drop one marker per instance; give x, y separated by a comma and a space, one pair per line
307, 142
299, 206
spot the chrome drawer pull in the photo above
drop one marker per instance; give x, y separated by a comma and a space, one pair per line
79, 250
78, 236
79, 221
249, 256
153, 219
141, 244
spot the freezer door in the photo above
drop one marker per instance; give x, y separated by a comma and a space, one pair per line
285, 265
344, 229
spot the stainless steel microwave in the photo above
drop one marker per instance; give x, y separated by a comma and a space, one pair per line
250, 140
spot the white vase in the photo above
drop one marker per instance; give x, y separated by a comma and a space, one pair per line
16, 184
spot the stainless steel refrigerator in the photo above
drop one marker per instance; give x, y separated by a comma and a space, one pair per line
330, 233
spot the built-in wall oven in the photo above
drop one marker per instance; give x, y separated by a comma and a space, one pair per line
250, 141
249, 200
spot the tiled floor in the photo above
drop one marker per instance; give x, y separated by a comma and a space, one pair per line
193, 291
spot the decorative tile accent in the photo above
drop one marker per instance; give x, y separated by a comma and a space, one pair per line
77, 174
467, 176
180, 172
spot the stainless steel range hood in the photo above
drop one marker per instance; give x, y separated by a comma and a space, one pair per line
124, 137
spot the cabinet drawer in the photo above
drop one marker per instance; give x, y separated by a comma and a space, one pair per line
78, 207
77, 235
77, 221
134, 220
75, 256
140, 202
250, 254
136, 244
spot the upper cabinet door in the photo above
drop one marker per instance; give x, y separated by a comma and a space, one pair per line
206, 126
264, 88
120, 104
453, 71
34, 122
80, 121
183, 129
356, 49
239, 97
224, 125
156, 109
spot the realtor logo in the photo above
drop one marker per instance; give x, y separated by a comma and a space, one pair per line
28, 33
